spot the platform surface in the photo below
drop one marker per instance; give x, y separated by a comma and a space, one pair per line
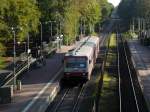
39, 86
141, 60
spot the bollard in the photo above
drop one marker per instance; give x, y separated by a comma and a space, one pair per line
19, 85
12, 92
94, 107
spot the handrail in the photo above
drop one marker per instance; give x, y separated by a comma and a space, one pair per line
10, 76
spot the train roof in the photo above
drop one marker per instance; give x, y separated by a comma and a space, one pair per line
84, 51
94, 39
85, 47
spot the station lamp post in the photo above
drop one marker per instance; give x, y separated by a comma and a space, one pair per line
13, 29
24, 46
51, 23
61, 40
41, 39
41, 34
14, 56
81, 27
59, 35
51, 27
28, 47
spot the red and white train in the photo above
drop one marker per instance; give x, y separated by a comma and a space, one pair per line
79, 63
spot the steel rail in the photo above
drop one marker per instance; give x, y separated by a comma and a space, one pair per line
119, 77
133, 88
78, 99
61, 101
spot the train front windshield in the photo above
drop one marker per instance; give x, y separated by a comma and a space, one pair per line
76, 63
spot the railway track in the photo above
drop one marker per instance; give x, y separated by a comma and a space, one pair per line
127, 94
128, 87
104, 53
119, 77
70, 100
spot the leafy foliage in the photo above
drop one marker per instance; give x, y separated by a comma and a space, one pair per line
19, 14
67, 14
106, 8
129, 9
91, 14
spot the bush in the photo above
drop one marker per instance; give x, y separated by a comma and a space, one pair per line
2, 49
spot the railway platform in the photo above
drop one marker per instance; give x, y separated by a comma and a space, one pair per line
40, 85
140, 56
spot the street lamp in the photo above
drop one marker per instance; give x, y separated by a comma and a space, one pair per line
61, 40
51, 26
28, 51
82, 26
41, 34
14, 55
28, 47
41, 40
24, 46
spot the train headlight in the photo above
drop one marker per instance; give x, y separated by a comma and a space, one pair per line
67, 73
84, 74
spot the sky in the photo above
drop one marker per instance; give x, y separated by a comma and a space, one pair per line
114, 2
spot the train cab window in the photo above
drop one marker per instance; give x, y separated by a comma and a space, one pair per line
76, 65
82, 65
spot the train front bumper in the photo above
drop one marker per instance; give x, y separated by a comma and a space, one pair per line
73, 75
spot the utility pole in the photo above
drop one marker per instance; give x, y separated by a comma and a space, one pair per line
133, 25
81, 27
14, 54
84, 26
41, 39
14, 57
99, 28
51, 24
28, 45
41, 34
139, 24
59, 27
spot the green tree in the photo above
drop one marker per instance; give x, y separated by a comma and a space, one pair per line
72, 12
90, 12
16, 13
129, 9
28, 13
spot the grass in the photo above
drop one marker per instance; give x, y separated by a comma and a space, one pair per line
112, 41
108, 95
2, 63
111, 58
109, 101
